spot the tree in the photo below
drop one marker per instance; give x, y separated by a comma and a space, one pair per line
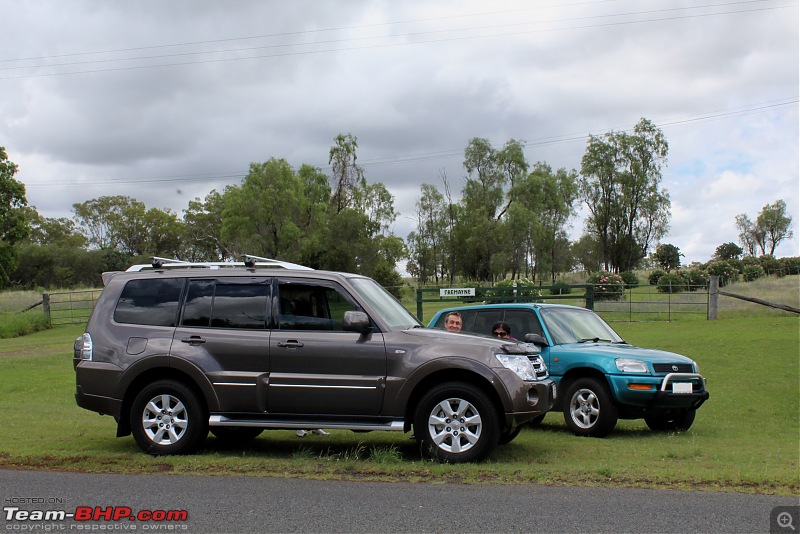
770, 228
427, 245
774, 226
668, 257
264, 216
203, 230
728, 251
549, 201
55, 231
13, 223
620, 184
347, 176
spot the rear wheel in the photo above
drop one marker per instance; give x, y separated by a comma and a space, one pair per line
671, 420
456, 422
168, 418
589, 409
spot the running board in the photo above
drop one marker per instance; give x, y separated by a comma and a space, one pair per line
221, 420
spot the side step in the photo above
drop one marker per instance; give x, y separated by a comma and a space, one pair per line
221, 420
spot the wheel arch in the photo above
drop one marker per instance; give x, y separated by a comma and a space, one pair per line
152, 375
452, 375
576, 374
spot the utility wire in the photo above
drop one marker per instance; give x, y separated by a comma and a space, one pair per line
438, 155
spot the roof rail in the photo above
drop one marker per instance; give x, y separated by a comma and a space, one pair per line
250, 262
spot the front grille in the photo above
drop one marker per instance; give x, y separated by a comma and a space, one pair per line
538, 366
673, 368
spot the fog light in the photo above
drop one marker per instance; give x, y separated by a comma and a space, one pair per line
640, 387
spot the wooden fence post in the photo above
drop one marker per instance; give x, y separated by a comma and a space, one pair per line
713, 297
46, 307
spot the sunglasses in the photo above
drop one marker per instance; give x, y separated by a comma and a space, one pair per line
500, 333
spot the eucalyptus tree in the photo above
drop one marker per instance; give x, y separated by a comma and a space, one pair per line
263, 216
620, 183
13, 223
549, 201
771, 227
203, 229
347, 176
490, 172
427, 244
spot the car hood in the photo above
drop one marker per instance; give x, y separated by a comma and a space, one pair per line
624, 351
453, 337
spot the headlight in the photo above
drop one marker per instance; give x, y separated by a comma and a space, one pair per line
627, 365
518, 363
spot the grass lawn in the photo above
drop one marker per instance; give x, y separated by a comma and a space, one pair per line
746, 438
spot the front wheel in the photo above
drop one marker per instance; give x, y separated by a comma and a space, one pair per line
670, 420
456, 422
168, 418
589, 409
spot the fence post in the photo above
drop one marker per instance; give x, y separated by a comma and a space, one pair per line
589, 297
419, 304
713, 297
46, 307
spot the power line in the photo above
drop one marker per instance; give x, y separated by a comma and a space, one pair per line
381, 45
437, 155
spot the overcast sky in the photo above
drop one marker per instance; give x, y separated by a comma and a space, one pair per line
165, 101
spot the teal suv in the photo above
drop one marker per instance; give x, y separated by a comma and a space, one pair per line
600, 377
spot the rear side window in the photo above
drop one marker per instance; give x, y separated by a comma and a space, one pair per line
149, 302
227, 303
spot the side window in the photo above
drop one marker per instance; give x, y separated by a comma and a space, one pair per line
227, 303
149, 301
484, 320
305, 306
523, 322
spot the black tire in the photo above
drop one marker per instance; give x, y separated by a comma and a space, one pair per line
508, 436
671, 420
589, 409
236, 434
536, 421
168, 418
475, 433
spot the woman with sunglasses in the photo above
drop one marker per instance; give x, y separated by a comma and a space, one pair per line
502, 330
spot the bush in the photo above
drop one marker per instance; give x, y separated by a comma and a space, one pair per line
607, 286
790, 265
769, 264
561, 288
752, 272
671, 283
695, 279
652, 278
503, 291
727, 273
630, 279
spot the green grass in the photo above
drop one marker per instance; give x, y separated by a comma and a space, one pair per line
746, 438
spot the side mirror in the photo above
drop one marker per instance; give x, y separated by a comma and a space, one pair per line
536, 339
356, 321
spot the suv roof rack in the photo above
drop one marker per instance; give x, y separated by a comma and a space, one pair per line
249, 262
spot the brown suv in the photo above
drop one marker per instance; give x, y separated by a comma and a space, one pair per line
174, 350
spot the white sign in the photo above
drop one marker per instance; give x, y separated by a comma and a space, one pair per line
457, 292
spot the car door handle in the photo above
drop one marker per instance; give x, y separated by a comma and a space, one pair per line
291, 344
193, 340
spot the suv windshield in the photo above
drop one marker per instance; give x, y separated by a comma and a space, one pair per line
387, 307
567, 325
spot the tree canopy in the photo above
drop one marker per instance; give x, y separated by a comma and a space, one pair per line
621, 185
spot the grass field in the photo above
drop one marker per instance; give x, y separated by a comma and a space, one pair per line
746, 438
